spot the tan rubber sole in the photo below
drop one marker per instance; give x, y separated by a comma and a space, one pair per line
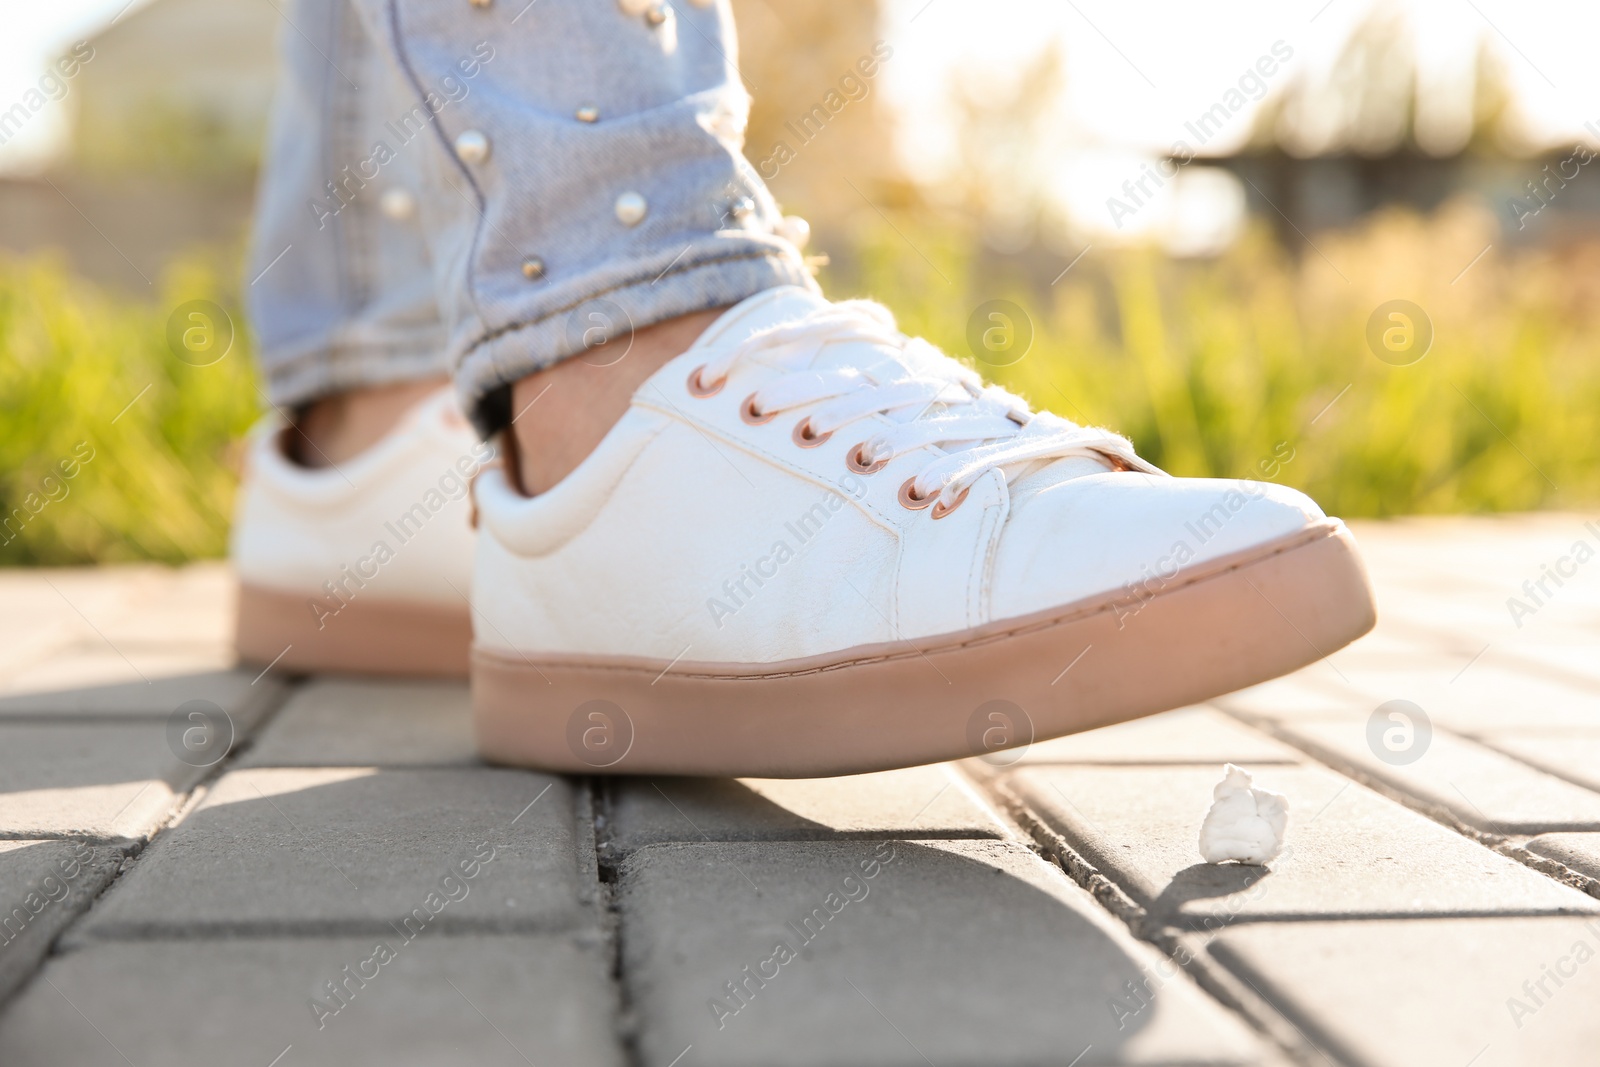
1234, 623
384, 637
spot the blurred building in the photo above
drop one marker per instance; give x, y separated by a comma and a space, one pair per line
168, 118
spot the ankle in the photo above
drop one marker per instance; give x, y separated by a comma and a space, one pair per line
335, 428
550, 436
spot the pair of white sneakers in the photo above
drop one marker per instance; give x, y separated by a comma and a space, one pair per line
812, 546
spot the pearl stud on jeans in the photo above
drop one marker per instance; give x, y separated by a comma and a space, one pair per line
631, 208
472, 146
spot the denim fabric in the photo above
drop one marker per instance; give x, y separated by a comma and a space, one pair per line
670, 127
341, 294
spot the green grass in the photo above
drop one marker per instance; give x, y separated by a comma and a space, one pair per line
1252, 365
1229, 367
90, 389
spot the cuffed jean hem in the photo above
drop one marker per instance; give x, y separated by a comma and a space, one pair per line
517, 350
299, 378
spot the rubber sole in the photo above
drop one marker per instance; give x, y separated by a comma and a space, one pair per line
1231, 624
382, 637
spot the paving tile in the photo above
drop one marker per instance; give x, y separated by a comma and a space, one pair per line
899, 958
918, 802
235, 691
433, 1000
1570, 754
338, 722
1476, 784
1190, 735
1302, 693
44, 885
193, 605
1439, 991
356, 849
1483, 696
98, 680
1350, 852
104, 780
1581, 852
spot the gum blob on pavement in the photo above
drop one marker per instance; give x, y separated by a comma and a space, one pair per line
1245, 823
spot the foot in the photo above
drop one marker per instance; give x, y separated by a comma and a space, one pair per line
362, 562
814, 546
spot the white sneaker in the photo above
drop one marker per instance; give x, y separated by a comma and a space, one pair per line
814, 546
365, 566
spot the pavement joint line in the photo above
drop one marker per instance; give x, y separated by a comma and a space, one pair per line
702, 833
132, 849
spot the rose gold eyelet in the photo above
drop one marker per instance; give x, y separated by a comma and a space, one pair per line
860, 466
805, 438
909, 498
698, 388
940, 511
753, 415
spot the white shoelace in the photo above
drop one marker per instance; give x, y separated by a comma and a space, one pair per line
937, 402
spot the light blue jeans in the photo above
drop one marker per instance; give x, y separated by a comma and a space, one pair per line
455, 186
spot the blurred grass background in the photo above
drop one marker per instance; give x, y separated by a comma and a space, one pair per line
83, 367
1252, 364
1248, 360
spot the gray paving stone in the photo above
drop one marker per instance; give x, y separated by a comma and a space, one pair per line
1581, 852
900, 959
439, 1000
1189, 735
104, 780
338, 722
1350, 852
1485, 695
1570, 754
1440, 991
44, 885
918, 802
70, 695
356, 850
1476, 784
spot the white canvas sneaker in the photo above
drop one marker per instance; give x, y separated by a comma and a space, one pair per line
365, 566
814, 546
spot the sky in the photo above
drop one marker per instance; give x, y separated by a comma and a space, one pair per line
1136, 72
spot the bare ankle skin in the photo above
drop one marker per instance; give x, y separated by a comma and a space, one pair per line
587, 395
340, 427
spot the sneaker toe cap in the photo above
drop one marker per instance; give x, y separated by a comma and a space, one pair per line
1104, 533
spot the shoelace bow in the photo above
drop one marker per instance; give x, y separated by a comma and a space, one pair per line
942, 403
